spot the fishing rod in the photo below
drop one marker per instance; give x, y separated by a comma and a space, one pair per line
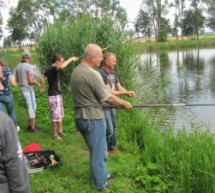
111, 46
114, 45
117, 44
166, 105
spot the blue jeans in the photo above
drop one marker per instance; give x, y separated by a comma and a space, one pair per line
94, 133
110, 117
8, 102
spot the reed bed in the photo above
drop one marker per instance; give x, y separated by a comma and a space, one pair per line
71, 37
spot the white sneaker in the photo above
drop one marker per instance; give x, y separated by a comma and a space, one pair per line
58, 138
17, 128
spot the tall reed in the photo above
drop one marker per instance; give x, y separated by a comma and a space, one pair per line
184, 161
70, 39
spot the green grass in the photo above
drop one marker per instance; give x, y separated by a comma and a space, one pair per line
203, 41
73, 175
153, 160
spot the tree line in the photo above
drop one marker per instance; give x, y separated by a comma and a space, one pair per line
190, 17
29, 19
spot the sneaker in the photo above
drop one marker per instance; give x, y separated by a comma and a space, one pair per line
33, 130
114, 150
57, 138
17, 128
110, 176
62, 134
107, 184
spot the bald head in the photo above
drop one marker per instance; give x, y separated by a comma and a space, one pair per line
93, 55
92, 50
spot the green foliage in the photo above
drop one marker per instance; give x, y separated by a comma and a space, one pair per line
168, 161
151, 178
192, 23
151, 19
144, 24
29, 18
163, 30
211, 13
154, 158
62, 38
17, 24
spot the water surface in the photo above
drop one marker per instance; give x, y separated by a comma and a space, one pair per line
191, 76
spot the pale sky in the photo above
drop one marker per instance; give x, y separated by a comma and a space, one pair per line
132, 7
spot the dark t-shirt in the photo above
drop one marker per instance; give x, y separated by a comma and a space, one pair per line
110, 78
52, 75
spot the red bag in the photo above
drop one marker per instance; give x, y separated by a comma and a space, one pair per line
32, 147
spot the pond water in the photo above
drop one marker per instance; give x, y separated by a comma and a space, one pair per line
191, 76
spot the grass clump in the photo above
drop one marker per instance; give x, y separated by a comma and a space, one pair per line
168, 161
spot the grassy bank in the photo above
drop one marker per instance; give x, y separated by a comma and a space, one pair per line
73, 175
153, 160
203, 41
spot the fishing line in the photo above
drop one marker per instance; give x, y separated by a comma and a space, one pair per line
114, 45
165, 105
117, 44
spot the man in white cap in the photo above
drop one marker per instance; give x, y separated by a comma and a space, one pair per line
25, 78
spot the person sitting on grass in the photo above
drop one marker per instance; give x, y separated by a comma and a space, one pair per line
54, 95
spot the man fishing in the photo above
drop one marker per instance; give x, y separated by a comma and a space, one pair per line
112, 83
89, 93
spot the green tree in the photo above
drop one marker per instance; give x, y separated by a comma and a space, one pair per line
17, 26
179, 6
143, 24
193, 22
198, 15
1, 27
30, 17
157, 11
2, 5
7, 42
211, 14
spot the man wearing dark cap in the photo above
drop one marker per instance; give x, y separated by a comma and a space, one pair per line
25, 78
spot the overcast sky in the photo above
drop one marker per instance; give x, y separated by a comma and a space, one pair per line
132, 7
